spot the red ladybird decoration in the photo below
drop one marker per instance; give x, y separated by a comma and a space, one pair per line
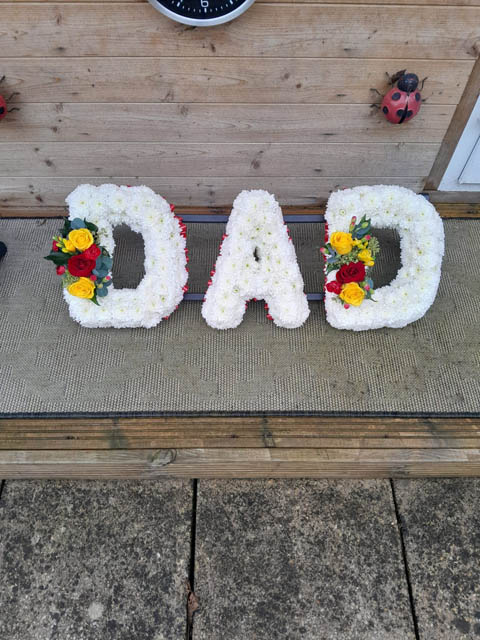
3, 107
403, 102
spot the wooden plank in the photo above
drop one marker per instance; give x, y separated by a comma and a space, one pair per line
220, 160
459, 3
455, 130
46, 196
224, 80
219, 123
452, 211
470, 198
240, 463
238, 432
37, 30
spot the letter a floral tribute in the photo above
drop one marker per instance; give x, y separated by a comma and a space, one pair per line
351, 255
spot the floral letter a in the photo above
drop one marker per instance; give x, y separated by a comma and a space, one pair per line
257, 260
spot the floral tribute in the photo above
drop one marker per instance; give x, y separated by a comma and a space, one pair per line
81, 261
257, 261
351, 254
84, 252
408, 297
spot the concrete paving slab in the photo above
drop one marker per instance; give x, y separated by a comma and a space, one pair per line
309, 560
441, 525
94, 560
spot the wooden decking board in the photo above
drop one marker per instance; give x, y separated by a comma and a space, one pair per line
240, 463
256, 446
446, 210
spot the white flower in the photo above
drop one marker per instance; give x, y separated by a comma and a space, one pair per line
256, 225
161, 289
408, 297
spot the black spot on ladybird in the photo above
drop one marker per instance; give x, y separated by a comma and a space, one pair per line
409, 113
2, 110
417, 97
396, 96
399, 113
385, 109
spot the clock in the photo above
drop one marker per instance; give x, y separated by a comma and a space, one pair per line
201, 13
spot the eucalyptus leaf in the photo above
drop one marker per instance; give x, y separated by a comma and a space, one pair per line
78, 223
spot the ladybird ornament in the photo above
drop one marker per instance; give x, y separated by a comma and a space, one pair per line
3, 107
403, 101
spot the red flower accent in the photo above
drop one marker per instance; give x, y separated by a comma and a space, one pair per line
92, 252
80, 266
54, 246
60, 269
351, 272
334, 287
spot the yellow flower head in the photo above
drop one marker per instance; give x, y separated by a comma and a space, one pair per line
352, 293
81, 239
68, 246
366, 257
82, 288
341, 242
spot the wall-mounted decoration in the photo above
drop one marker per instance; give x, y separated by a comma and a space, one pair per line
202, 13
403, 101
3, 102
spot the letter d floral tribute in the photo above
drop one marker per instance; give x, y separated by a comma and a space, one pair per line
83, 253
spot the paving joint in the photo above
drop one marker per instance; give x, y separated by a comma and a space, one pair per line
192, 601
2, 485
405, 562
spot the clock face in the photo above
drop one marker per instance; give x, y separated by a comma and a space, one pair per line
203, 13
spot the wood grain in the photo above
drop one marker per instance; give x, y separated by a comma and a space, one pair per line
233, 432
446, 210
219, 160
460, 3
45, 197
219, 123
265, 30
224, 80
240, 463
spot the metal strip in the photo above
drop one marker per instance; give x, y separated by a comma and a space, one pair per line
222, 219
198, 297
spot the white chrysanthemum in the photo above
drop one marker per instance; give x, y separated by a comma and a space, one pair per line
256, 224
161, 289
408, 297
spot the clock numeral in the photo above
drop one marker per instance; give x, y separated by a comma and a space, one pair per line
204, 4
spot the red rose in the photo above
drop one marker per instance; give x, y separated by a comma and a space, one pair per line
92, 252
351, 272
80, 266
334, 287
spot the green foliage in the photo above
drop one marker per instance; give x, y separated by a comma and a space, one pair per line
58, 257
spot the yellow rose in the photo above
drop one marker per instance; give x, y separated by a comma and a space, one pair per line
82, 288
341, 242
352, 293
68, 246
366, 257
81, 239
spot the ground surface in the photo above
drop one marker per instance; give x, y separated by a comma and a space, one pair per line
306, 560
